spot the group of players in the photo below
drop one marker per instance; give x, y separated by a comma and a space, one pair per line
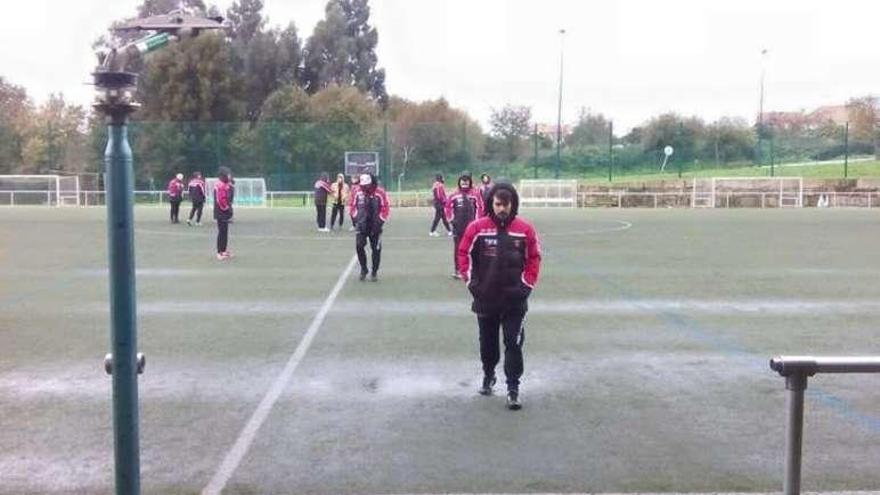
224, 192
495, 252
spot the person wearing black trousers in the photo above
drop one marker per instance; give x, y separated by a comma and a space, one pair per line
197, 196
339, 193
500, 258
439, 193
322, 190
175, 196
370, 210
462, 208
224, 191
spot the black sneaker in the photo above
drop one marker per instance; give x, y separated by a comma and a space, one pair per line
363, 276
513, 402
374, 277
488, 383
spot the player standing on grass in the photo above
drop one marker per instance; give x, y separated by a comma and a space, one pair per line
500, 258
175, 196
322, 190
197, 194
485, 186
370, 210
223, 194
462, 208
439, 193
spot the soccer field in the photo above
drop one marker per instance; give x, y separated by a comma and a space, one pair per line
646, 356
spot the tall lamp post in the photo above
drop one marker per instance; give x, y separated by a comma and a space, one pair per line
761, 107
115, 101
559, 110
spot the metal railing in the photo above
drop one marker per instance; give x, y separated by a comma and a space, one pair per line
796, 370
610, 199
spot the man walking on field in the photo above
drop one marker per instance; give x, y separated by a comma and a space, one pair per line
500, 257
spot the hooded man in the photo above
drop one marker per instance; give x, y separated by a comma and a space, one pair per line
462, 207
197, 194
500, 258
485, 186
175, 196
322, 190
439, 192
224, 191
339, 192
369, 210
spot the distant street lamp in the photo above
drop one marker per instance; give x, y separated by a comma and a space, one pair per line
559, 112
761, 131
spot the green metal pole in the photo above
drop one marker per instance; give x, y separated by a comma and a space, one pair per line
845, 150
610, 148
120, 237
772, 171
535, 140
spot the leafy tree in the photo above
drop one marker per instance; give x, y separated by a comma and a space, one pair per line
56, 139
682, 133
432, 134
591, 130
729, 139
342, 51
246, 20
510, 126
15, 115
863, 115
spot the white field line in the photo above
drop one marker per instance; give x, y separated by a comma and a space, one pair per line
427, 307
246, 437
617, 226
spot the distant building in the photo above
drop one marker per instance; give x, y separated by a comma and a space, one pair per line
549, 131
837, 114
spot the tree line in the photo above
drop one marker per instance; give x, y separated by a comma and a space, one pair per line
265, 102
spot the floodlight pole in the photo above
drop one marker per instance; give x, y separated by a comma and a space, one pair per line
559, 111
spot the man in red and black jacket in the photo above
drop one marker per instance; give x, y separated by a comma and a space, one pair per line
462, 207
175, 196
500, 257
438, 190
224, 190
197, 194
369, 210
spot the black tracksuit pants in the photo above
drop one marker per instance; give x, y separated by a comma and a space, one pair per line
510, 322
375, 250
222, 234
321, 215
439, 215
175, 210
196, 210
338, 208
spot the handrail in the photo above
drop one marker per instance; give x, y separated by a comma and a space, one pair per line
796, 370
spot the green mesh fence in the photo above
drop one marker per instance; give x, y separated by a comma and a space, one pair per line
291, 155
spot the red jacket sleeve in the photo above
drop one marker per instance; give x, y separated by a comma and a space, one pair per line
352, 202
447, 207
385, 211
481, 206
533, 258
463, 250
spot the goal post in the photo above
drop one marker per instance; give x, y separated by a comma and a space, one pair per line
249, 191
754, 192
39, 190
547, 193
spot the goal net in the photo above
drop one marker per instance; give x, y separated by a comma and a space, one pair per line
39, 190
249, 191
748, 192
545, 192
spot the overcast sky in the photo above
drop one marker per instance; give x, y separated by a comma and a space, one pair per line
629, 59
